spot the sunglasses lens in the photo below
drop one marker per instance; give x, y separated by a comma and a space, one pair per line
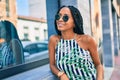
65, 18
57, 17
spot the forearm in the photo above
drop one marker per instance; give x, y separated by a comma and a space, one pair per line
100, 72
59, 74
54, 69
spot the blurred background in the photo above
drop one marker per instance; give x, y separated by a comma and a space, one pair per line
34, 21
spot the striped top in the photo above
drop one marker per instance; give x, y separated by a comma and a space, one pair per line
74, 61
6, 55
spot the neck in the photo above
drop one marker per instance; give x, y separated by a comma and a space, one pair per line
67, 35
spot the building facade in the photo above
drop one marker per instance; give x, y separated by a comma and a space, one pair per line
32, 29
8, 11
29, 28
37, 8
85, 9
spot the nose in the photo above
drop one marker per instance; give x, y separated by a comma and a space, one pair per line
61, 18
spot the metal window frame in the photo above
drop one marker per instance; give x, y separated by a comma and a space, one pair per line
10, 71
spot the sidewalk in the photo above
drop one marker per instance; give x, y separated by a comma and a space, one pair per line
116, 72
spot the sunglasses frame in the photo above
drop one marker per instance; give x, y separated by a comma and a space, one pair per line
65, 17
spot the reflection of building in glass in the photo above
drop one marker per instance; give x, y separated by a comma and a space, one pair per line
37, 8
8, 10
29, 28
33, 29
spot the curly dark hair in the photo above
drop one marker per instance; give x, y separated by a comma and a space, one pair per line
78, 20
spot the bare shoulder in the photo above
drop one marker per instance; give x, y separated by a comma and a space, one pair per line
54, 39
85, 38
90, 40
86, 41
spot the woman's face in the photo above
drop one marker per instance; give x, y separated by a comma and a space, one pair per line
65, 20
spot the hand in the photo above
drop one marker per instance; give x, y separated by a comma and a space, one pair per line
64, 77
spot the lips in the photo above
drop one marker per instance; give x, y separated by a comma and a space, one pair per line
60, 24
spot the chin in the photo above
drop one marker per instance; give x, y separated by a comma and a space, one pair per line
60, 30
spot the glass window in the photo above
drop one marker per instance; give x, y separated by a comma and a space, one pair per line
32, 48
45, 34
27, 21
42, 47
7, 8
10, 45
26, 35
37, 38
36, 28
25, 27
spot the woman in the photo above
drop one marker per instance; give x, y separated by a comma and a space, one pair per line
11, 51
73, 55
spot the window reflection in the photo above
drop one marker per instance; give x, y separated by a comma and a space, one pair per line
7, 8
31, 28
11, 50
35, 50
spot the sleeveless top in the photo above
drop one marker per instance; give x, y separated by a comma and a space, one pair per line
6, 55
74, 61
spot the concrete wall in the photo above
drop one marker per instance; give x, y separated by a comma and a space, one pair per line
85, 12
52, 7
107, 28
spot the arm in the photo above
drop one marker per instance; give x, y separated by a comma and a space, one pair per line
54, 69
51, 47
17, 49
95, 56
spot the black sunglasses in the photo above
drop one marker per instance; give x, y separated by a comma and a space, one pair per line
65, 17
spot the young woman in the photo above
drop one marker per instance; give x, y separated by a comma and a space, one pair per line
73, 55
11, 51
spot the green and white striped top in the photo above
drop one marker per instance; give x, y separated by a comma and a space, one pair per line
74, 61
